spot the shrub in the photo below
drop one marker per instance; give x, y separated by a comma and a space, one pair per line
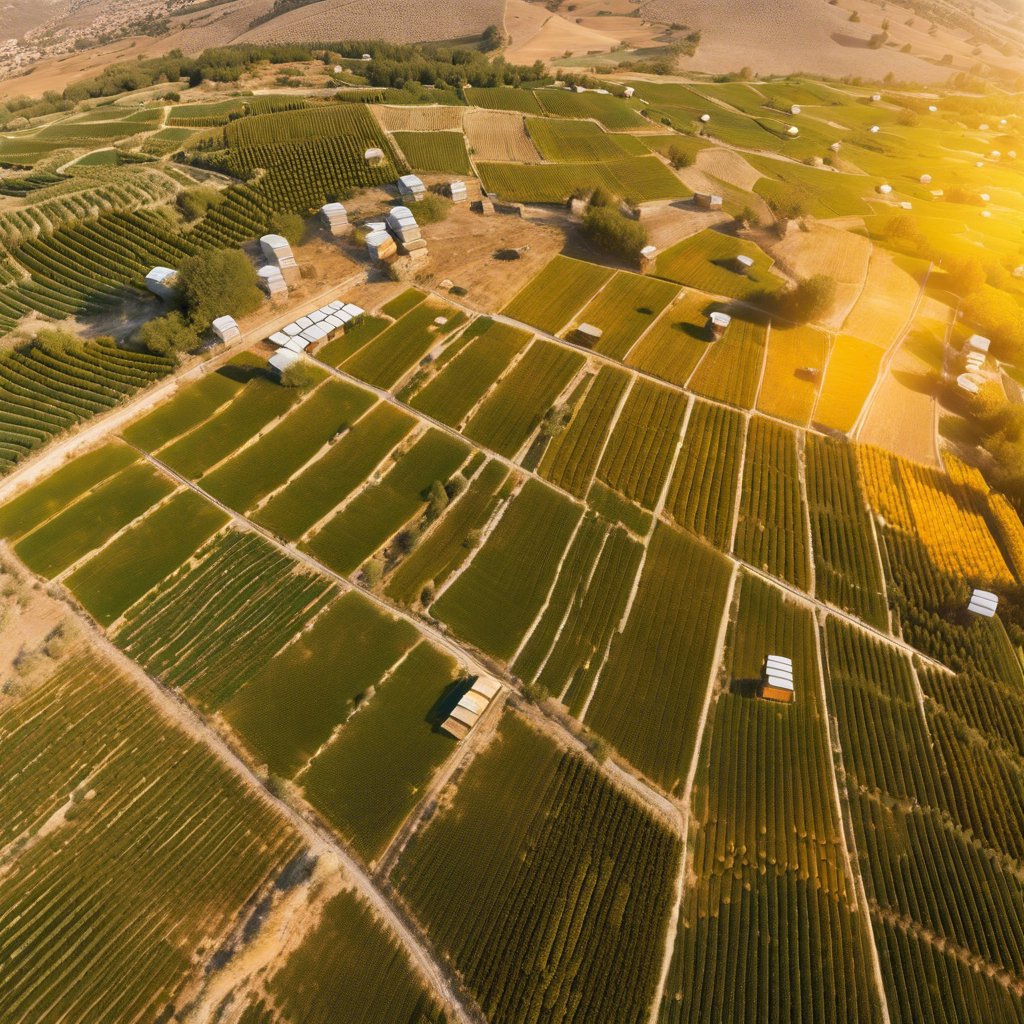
607, 228
195, 203
218, 282
299, 375
169, 335
290, 226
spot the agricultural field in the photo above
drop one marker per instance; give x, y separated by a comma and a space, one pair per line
732, 366
500, 136
792, 372
850, 374
593, 869
496, 597
649, 696
549, 301
434, 151
676, 342
579, 141
706, 261
624, 309
119, 941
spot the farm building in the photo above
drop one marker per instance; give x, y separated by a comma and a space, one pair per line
402, 224
979, 343
708, 201
875, 129
628, 92
335, 218
777, 679
471, 706
743, 264
926, 179
932, 109
412, 187
885, 190
457, 191
272, 281
380, 245
161, 282
969, 382
374, 157
718, 322
283, 360
277, 251
983, 603
835, 147
648, 254
587, 334
876, 97
705, 118
792, 131
796, 109
906, 204
226, 329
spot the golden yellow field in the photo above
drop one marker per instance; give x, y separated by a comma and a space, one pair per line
438, 118
849, 376
886, 304
789, 388
499, 135
945, 512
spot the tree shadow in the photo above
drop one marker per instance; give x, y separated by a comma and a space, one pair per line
744, 687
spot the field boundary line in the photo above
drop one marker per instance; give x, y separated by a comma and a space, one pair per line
802, 478
835, 747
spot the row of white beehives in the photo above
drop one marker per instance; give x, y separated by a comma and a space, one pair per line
317, 325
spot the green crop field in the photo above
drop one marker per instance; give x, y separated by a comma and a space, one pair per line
494, 601
580, 141
113, 579
649, 696
83, 526
705, 261
771, 533
444, 152
345, 541
571, 458
556, 293
191, 406
290, 708
45, 394
452, 393
642, 447
256, 406
591, 869
731, 368
328, 481
703, 491
449, 542
769, 874
638, 178
350, 960
366, 780
280, 453
626, 307
611, 111
522, 100
510, 414
390, 355
676, 342
160, 869
566, 648
336, 351
211, 625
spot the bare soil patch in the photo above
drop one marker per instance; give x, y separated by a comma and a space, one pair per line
499, 135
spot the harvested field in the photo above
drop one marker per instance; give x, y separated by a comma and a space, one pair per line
886, 303
841, 255
397, 23
440, 118
727, 166
499, 135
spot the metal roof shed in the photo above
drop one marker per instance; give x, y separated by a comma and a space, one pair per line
283, 360
984, 603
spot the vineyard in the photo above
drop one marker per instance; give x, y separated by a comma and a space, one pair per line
589, 869
556, 293
624, 309
705, 262
434, 151
117, 939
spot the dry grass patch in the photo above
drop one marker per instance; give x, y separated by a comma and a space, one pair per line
841, 255
729, 167
418, 119
851, 373
886, 303
499, 135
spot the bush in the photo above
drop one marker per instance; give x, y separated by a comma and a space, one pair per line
218, 282
606, 227
197, 202
290, 226
679, 157
810, 299
169, 335
299, 375
431, 209
57, 342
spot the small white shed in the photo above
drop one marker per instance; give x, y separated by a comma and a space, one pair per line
984, 603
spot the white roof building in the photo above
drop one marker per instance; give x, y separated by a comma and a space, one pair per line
628, 92
792, 131
457, 191
875, 129
272, 281
744, 263
283, 360
275, 247
226, 328
374, 156
705, 118
969, 382
335, 218
932, 109
718, 322
380, 245
411, 185
983, 603
279, 338
161, 281
796, 109
886, 190
926, 179
979, 343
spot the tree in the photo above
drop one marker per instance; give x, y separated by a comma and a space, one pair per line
218, 282
169, 335
679, 157
195, 202
438, 500
290, 226
299, 375
810, 299
607, 228
492, 39
57, 342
